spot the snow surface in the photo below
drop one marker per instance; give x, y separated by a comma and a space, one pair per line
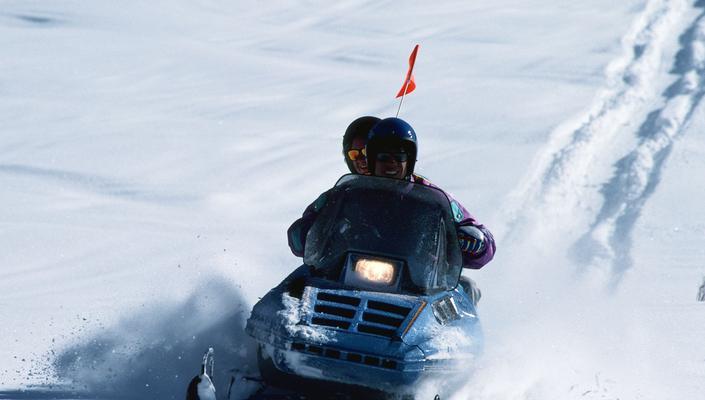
152, 155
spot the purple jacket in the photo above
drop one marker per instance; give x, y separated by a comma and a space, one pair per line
298, 230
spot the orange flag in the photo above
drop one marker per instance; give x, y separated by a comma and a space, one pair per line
409, 84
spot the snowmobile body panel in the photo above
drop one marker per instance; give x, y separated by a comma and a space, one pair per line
316, 326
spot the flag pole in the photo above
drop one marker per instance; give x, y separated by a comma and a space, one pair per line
402, 97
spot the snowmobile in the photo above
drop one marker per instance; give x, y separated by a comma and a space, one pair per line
377, 307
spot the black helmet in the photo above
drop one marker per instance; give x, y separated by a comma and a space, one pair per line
392, 134
359, 127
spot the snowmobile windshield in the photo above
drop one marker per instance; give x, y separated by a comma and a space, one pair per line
389, 219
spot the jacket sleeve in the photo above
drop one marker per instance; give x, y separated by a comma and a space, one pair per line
478, 261
299, 229
464, 218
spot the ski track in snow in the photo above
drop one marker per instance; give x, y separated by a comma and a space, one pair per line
638, 173
597, 161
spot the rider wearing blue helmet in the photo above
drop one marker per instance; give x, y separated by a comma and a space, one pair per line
391, 151
392, 148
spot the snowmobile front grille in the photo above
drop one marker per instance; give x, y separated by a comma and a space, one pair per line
371, 316
354, 357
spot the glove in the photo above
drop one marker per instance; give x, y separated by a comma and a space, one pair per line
471, 240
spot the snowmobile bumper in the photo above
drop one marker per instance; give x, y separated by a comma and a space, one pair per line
329, 363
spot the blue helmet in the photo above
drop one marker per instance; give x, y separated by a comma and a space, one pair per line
392, 134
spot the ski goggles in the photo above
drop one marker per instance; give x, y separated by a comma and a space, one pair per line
388, 157
357, 154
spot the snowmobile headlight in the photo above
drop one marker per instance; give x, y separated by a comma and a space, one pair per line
373, 273
377, 271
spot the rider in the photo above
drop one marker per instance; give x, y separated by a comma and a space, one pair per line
391, 151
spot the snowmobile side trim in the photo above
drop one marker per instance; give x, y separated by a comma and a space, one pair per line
413, 319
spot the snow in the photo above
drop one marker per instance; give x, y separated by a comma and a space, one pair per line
449, 342
152, 155
292, 313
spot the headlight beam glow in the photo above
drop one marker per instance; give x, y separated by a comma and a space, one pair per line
376, 271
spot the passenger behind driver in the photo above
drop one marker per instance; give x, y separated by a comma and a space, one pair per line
354, 141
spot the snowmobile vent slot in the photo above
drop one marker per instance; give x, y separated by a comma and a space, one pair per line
334, 298
356, 358
390, 308
334, 323
374, 361
382, 319
330, 353
375, 330
340, 312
